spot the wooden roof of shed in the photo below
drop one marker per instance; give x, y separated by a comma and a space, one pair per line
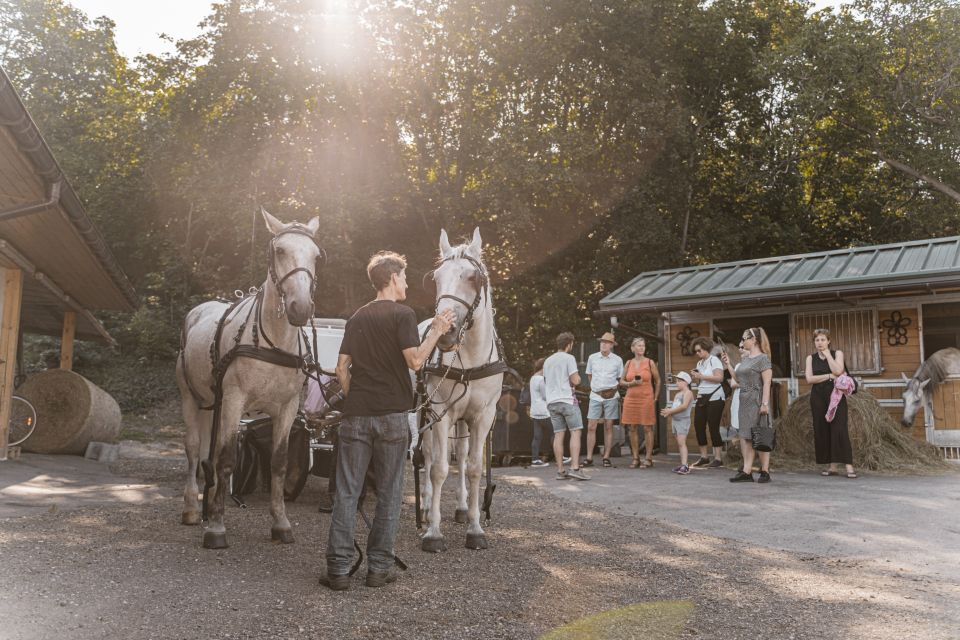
66, 261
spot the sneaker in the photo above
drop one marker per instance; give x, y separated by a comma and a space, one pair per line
764, 476
716, 464
587, 463
578, 474
682, 470
566, 459
336, 583
700, 463
377, 579
563, 475
742, 477
538, 463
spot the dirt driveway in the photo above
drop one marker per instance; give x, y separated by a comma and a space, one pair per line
128, 570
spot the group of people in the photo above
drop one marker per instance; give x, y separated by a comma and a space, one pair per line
553, 404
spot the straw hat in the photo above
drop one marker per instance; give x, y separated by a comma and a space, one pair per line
608, 337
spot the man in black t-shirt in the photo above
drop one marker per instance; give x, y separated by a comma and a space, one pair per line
380, 345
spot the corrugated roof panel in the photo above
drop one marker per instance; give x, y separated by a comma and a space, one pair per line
696, 282
716, 280
913, 258
830, 267
858, 265
804, 271
679, 280
943, 255
886, 261
759, 274
782, 272
654, 286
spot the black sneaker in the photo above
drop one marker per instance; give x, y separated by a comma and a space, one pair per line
700, 463
742, 477
336, 583
764, 476
716, 464
587, 463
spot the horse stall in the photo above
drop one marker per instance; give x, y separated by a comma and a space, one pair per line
888, 308
55, 269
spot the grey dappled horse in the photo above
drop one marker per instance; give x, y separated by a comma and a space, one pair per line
274, 315
934, 370
462, 281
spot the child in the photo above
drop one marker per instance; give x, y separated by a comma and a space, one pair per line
680, 425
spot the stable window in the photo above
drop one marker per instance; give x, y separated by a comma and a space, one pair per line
852, 331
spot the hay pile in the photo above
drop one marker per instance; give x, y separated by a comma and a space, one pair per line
879, 444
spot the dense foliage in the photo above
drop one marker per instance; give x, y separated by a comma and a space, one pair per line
588, 140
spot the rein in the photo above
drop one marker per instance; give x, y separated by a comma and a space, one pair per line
305, 360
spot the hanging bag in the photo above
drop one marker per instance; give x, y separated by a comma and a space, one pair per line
763, 435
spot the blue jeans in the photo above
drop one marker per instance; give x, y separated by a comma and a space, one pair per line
379, 442
540, 426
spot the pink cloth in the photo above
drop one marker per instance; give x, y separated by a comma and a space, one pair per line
842, 386
315, 405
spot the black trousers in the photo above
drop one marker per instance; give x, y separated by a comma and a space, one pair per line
708, 413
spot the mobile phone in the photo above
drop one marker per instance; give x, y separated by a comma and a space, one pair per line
638, 377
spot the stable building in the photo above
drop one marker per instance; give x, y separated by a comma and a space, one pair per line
887, 307
55, 267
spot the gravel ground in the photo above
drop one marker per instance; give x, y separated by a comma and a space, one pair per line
134, 572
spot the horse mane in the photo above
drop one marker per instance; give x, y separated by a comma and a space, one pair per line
459, 252
935, 368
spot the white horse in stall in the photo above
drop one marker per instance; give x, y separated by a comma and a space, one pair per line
240, 375
467, 382
918, 393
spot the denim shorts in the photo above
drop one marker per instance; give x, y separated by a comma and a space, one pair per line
565, 416
604, 409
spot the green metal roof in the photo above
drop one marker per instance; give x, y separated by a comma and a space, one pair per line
861, 271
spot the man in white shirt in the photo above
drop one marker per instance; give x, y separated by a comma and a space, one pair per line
560, 375
604, 369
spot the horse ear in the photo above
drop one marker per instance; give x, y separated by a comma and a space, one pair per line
274, 226
477, 242
904, 376
314, 225
445, 249
923, 385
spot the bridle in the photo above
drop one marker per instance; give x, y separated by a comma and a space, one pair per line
301, 230
478, 298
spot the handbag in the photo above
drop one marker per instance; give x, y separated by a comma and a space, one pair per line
764, 436
607, 394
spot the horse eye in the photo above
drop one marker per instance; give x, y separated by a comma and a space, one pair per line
280, 251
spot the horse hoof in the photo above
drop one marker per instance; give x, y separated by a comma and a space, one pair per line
214, 540
190, 517
476, 541
433, 545
460, 515
283, 536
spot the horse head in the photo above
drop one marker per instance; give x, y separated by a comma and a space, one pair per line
462, 285
294, 257
912, 398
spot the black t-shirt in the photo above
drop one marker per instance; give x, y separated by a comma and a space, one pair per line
375, 338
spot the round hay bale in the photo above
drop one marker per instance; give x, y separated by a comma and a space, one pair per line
71, 412
879, 444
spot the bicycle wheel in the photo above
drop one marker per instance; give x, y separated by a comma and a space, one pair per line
23, 420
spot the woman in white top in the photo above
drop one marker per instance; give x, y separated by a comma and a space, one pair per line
539, 413
708, 375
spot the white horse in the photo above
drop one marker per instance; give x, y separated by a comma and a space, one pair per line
934, 369
463, 286
273, 317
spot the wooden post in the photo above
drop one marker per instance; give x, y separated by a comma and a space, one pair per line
66, 341
12, 282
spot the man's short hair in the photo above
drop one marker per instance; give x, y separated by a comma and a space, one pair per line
564, 340
703, 343
382, 266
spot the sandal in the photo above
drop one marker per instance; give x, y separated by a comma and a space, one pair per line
852, 476
829, 473
587, 463
647, 463
607, 463
635, 463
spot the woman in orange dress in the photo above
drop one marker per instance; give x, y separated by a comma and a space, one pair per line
642, 380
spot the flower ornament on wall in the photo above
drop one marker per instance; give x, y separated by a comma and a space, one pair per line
896, 326
685, 337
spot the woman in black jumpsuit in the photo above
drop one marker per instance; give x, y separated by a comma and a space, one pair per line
831, 439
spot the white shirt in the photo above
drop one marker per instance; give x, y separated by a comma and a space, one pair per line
556, 373
604, 372
538, 397
704, 389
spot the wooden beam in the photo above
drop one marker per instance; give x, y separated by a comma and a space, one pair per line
66, 342
12, 282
